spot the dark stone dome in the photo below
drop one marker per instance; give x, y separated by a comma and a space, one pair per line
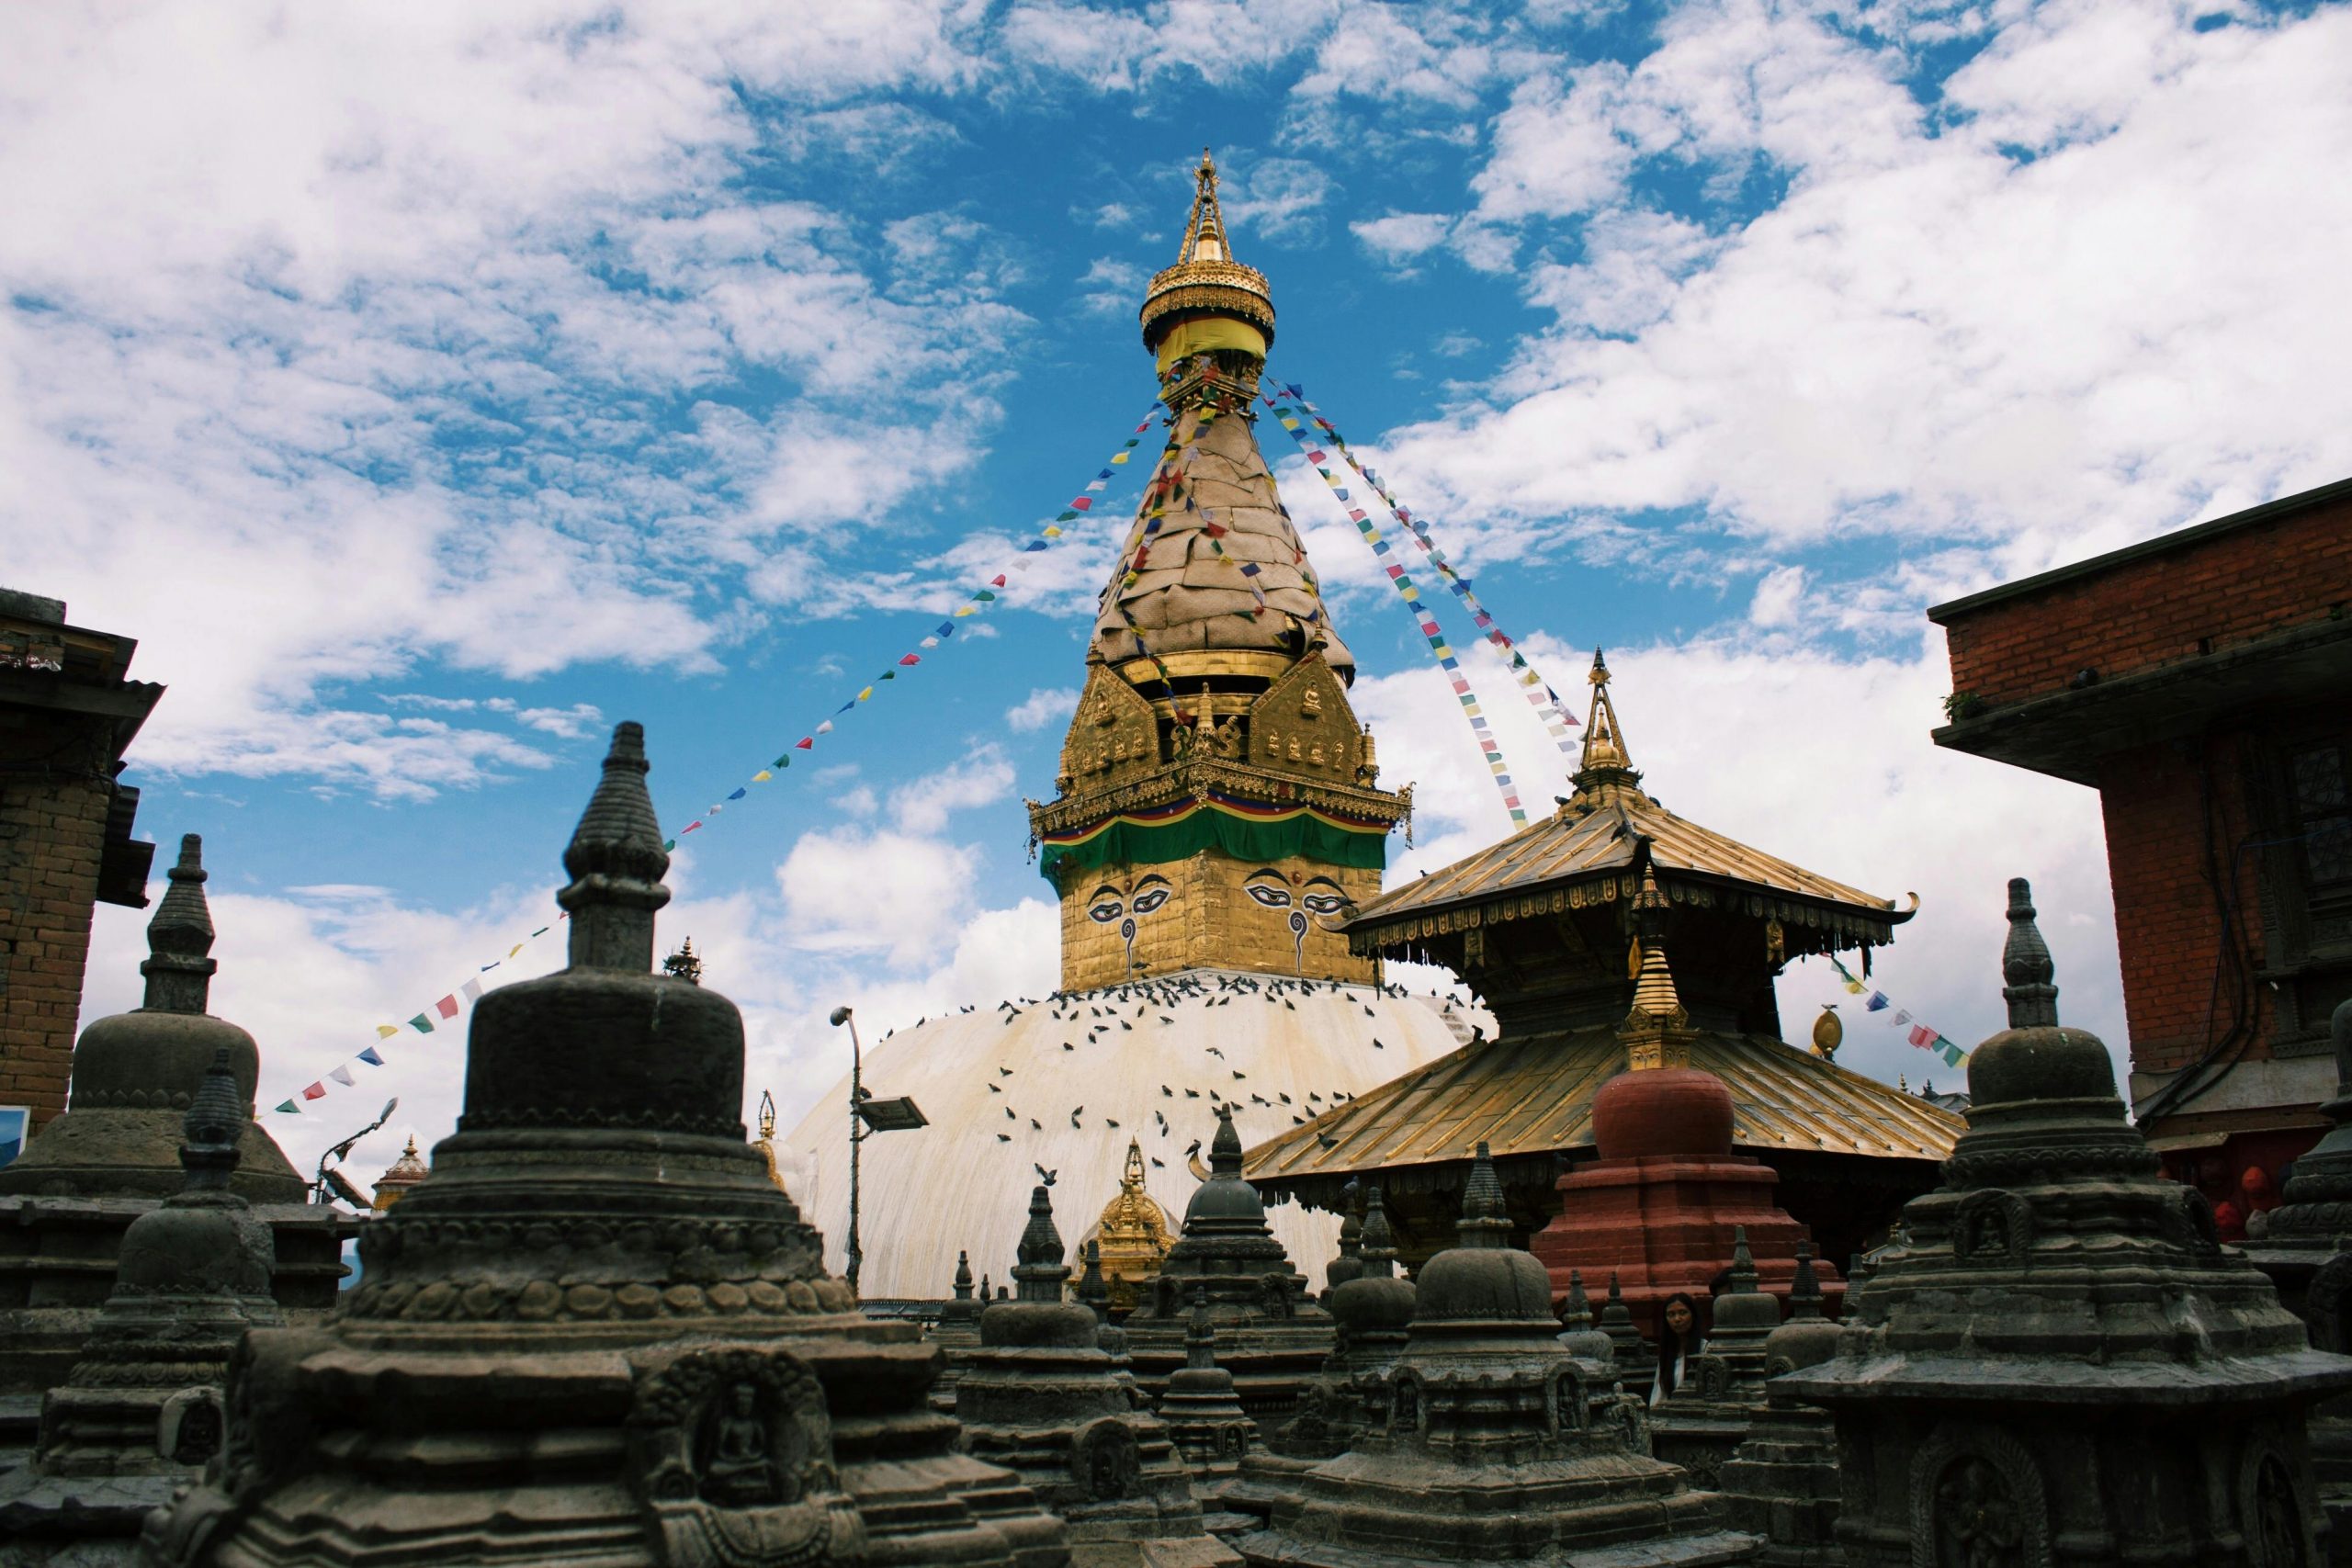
1502, 1284
1370, 1304
1662, 1110
154, 1060
2041, 1063
1224, 1197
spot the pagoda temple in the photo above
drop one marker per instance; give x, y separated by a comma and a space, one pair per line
1546, 926
1217, 811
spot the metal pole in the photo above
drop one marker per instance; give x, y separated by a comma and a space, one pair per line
856, 1139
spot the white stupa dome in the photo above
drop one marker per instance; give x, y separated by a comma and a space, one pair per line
1147, 1061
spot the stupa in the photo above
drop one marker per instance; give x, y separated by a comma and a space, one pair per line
1372, 1312
1132, 1234
1661, 1204
142, 1414
1270, 1334
2307, 1252
598, 1334
1709, 1411
1782, 1483
1042, 1398
1496, 1445
66, 1201
1201, 1405
1545, 926
1217, 809
957, 1334
2061, 1363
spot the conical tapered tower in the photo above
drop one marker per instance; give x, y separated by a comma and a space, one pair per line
1217, 805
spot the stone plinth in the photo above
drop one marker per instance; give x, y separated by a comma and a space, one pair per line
66, 1202
1659, 1206
142, 1414
597, 1332
1708, 1415
1496, 1446
2060, 1364
1043, 1398
1270, 1334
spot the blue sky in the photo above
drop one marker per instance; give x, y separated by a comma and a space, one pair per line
427, 388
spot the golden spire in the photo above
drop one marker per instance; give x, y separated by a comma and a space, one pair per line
1656, 1030
1207, 301
1605, 761
767, 1142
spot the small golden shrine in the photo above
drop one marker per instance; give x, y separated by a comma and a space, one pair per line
1134, 1236
767, 1142
400, 1176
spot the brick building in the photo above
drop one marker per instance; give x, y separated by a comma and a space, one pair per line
67, 712
2202, 683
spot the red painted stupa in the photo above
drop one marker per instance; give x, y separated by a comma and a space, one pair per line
1659, 1207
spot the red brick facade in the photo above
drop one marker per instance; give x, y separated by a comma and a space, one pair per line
53, 833
2203, 683
2196, 600
66, 713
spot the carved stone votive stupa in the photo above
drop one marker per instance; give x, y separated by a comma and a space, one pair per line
1496, 1446
597, 1334
1781, 1483
66, 1201
957, 1334
142, 1414
1270, 1334
1372, 1310
1043, 1398
2059, 1363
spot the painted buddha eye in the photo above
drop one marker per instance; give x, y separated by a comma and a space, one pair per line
1272, 897
1323, 903
1105, 906
1147, 902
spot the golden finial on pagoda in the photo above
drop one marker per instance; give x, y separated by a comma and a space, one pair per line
1656, 1030
1605, 759
1134, 1234
402, 1174
766, 1143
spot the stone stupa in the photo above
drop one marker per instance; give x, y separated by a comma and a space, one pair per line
2061, 1363
142, 1414
1497, 1446
1372, 1312
597, 1332
1270, 1334
66, 1201
1781, 1483
1043, 1398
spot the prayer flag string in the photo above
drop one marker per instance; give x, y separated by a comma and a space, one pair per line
444, 1012
1921, 1035
1423, 621
1556, 719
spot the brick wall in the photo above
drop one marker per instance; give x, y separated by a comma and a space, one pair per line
52, 831
2167, 927
2140, 614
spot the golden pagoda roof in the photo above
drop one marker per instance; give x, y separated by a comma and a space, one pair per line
1132, 1211
1595, 837
1534, 1095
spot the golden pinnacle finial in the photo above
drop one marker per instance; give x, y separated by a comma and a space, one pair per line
1207, 301
766, 1142
1605, 759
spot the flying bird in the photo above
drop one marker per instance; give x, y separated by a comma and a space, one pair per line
1108, 1123
1239, 1074
1067, 1046
1004, 1072
1192, 1094
1167, 1091
1036, 1125
1004, 1137
1043, 1175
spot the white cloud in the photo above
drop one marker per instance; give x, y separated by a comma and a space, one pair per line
925, 804
1111, 286
1402, 236
1778, 597
1043, 706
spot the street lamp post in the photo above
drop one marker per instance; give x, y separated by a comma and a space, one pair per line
866, 1117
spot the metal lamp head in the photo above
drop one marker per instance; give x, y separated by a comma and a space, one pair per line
840, 1016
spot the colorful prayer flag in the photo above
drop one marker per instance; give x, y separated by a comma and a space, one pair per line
343, 1075
1877, 1002
316, 1091
1921, 1035
385, 1031
370, 1057
447, 1005
420, 1023
472, 991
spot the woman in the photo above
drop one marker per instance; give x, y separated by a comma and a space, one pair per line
1679, 1340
